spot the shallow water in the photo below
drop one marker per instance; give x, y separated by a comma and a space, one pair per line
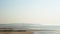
46, 32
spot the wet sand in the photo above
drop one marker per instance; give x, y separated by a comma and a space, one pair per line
16, 32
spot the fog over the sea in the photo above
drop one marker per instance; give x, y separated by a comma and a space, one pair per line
30, 11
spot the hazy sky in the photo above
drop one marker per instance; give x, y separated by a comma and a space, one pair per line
30, 11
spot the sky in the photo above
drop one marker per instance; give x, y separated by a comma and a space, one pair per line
30, 11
